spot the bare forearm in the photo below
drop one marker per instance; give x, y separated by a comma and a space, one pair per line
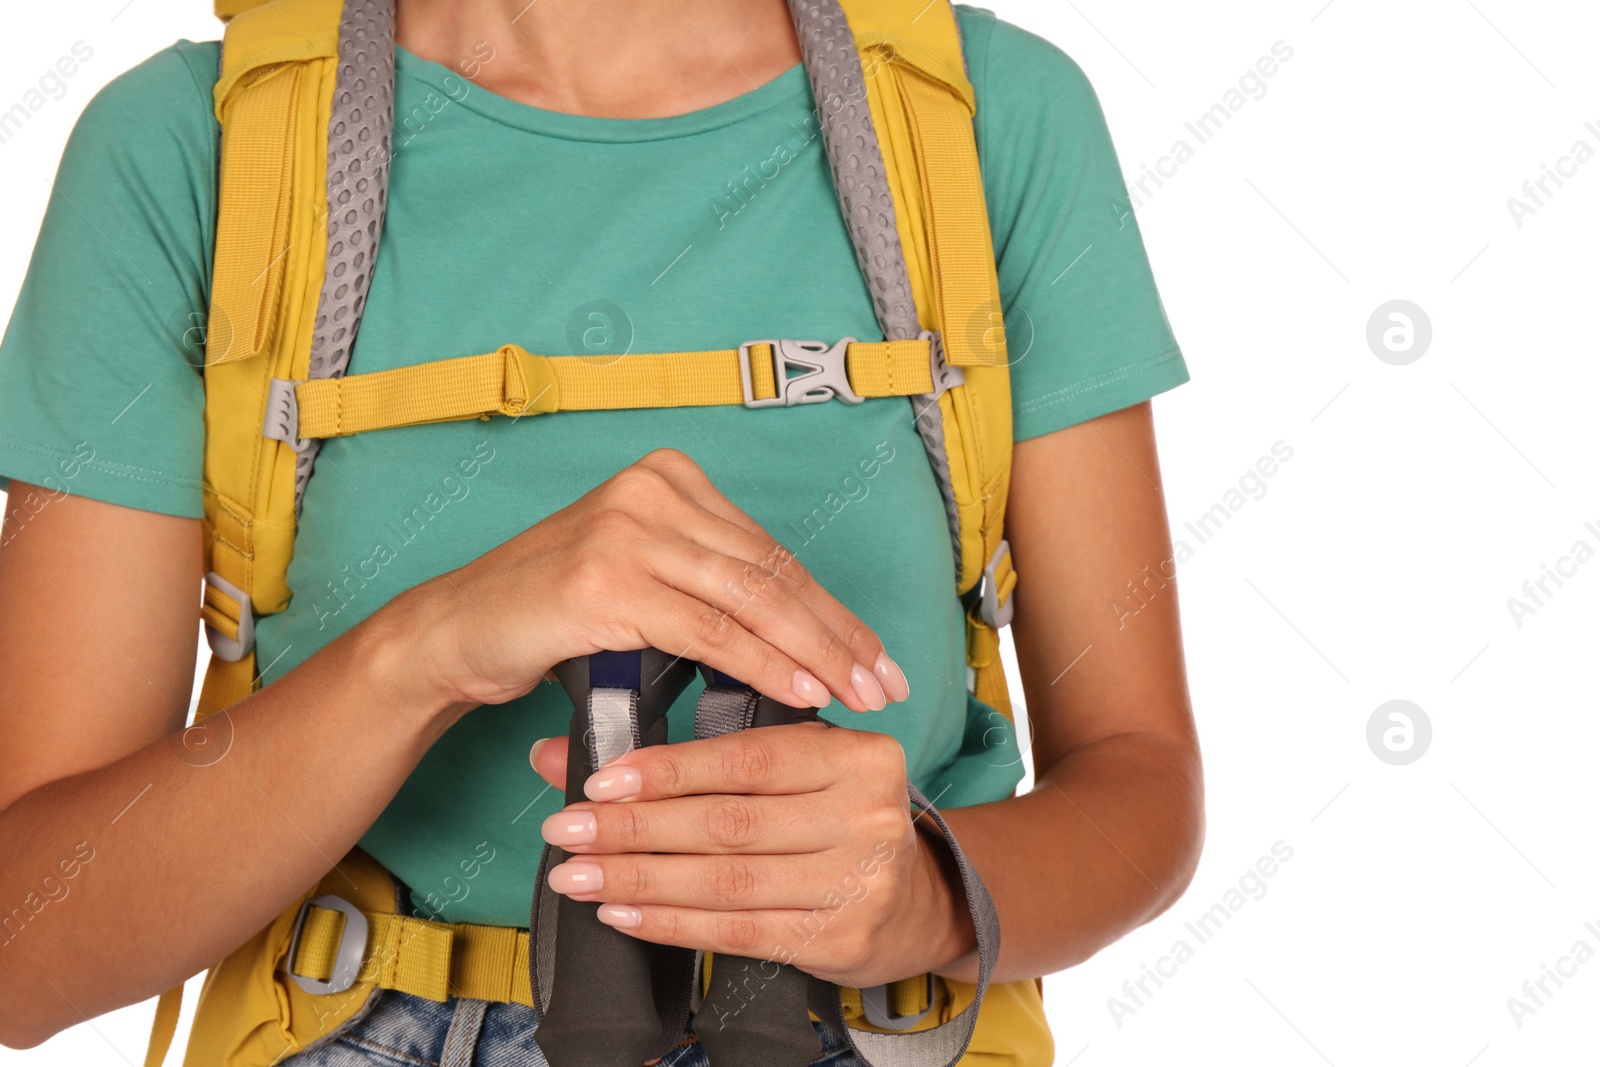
1105, 842
192, 847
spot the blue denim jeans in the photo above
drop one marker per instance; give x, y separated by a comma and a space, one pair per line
401, 1030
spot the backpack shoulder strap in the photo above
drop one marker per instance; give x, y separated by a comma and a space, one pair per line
896, 108
284, 84
920, 104
271, 88
273, 98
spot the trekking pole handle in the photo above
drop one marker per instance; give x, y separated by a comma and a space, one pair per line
755, 1012
604, 1007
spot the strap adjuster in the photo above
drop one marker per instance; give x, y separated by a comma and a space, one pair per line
992, 609
875, 1005
352, 947
825, 376
945, 375
232, 649
282, 420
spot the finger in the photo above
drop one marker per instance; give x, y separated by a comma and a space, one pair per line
780, 936
771, 565
748, 934
719, 824
768, 608
797, 758
739, 535
677, 622
685, 475
714, 883
667, 491
548, 756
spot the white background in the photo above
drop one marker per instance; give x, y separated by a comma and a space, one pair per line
1378, 563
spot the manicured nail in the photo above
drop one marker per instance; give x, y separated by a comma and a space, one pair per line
891, 677
612, 783
570, 828
809, 689
622, 916
870, 692
575, 876
533, 753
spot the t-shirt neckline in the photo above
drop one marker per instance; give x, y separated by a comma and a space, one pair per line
785, 88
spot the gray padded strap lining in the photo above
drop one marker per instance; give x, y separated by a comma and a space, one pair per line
358, 182
944, 1044
929, 419
613, 724
851, 142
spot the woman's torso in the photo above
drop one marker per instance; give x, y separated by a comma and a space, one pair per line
572, 235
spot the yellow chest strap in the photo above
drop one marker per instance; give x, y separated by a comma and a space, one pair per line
514, 382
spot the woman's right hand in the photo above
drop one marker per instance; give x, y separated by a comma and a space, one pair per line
655, 557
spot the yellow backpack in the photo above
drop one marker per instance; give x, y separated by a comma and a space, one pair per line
304, 97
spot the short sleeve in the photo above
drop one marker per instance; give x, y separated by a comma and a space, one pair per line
101, 393
1085, 327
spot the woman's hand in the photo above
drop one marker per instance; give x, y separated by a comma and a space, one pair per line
787, 843
653, 557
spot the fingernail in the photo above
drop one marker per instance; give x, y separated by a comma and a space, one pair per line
570, 828
533, 753
576, 877
622, 916
612, 783
870, 692
891, 677
809, 689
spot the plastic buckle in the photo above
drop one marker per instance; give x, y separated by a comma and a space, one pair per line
352, 947
825, 377
875, 1004
991, 610
232, 649
945, 375
282, 420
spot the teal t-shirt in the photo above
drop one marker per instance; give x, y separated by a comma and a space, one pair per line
569, 234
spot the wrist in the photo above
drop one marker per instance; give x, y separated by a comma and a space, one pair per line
396, 652
953, 945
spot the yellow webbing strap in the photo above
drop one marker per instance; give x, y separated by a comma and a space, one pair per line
954, 214
1005, 578
256, 178
983, 656
931, 62
221, 611
908, 996
983, 642
428, 959
165, 1026
226, 683
512, 381
438, 960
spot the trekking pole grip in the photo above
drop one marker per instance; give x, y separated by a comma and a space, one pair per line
610, 1000
755, 1013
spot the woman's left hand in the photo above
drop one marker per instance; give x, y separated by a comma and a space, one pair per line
787, 843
